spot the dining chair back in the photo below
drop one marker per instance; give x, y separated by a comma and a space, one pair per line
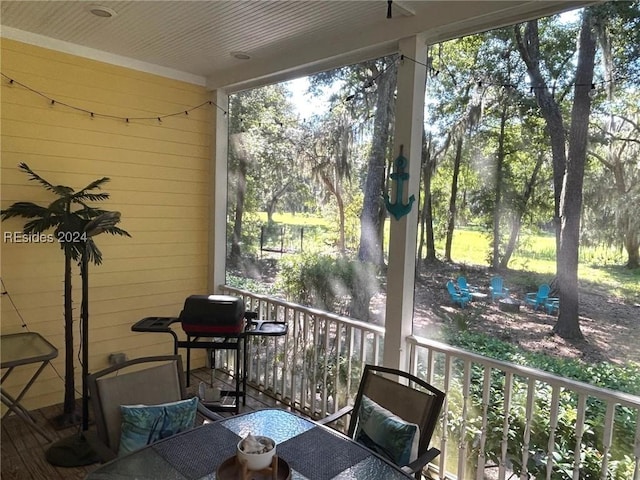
404, 395
161, 380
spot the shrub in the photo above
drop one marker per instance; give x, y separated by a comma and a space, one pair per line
322, 281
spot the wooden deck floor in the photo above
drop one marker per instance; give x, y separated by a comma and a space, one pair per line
23, 450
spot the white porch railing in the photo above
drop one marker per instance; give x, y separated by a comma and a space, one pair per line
316, 368
502, 414
498, 417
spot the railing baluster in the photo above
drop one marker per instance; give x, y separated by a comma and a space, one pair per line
607, 436
531, 388
338, 387
311, 353
294, 356
581, 407
303, 351
485, 411
636, 449
363, 358
445, 418
349, 333
325, 368
553, 426
285, 355
376, 349
265, 345
462, 445
504, 446
430, 363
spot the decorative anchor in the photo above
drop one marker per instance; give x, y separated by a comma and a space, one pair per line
398, 209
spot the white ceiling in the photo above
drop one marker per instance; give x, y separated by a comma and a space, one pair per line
193, 40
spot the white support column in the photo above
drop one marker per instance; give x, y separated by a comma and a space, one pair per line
218, 188
403, 232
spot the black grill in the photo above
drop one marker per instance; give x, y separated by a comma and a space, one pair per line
212, 314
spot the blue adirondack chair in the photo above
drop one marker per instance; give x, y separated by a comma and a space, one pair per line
497, 288
552, 305
463, 286
539, 298
460, 298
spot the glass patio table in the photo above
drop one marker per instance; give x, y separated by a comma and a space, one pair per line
20, 349
312, 451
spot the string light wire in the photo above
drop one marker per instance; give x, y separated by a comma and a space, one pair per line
126, 119
531, 88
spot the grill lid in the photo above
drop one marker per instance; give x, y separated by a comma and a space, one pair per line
212, 314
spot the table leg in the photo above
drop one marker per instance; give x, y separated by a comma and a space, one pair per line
237, 375
21, 412
244, 370
188, 359
26, 387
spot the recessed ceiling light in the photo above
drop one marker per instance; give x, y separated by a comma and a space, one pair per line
101, 11
241, 55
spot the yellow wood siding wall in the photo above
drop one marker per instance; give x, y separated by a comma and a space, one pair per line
160, 183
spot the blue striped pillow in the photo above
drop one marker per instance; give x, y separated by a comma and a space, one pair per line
145, 424
386, 434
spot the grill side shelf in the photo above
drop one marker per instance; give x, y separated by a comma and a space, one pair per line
154, 324
263, 327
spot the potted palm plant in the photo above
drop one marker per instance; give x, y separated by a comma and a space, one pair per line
75, 223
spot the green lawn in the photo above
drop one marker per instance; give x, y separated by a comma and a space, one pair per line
600, 268
297, 220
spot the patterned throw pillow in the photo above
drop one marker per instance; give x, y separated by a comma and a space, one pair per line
386, 434
145, 424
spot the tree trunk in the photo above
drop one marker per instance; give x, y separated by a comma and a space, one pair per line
69, 405
632, 245
614, 161
365, 284
529, 48
370, 248
431, 243
568, 325
272, 203
514, 233
426, 217
271, 208
451, 219
335, 191
516, 222
341, 238
241, 188
497, 212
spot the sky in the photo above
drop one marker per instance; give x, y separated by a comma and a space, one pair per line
306, 104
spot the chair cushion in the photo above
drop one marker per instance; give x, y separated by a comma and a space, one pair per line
386, 434
145, 424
